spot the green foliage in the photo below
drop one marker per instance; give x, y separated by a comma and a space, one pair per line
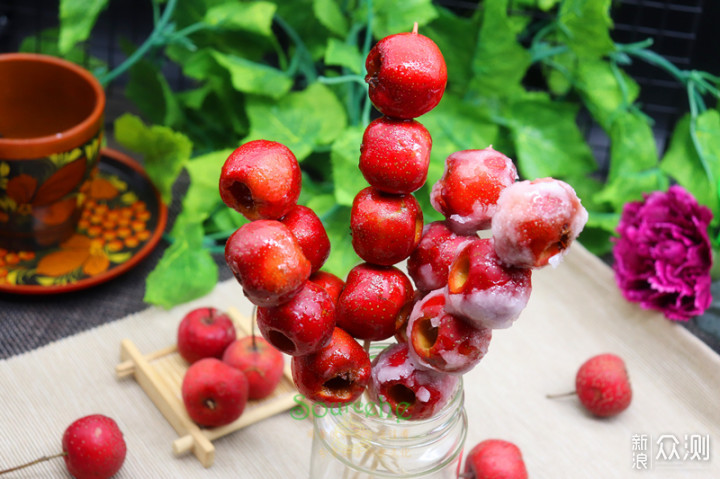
293, 72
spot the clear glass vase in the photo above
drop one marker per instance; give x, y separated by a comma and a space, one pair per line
363, 440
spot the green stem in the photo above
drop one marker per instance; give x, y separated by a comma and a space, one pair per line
367, 44
147, 45
653, 58
306, 65
342, 79
693, 97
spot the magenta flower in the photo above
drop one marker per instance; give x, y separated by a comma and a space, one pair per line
663, 255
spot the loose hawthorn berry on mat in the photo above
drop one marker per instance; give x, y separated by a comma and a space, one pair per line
213, 392
204, 333
260, 361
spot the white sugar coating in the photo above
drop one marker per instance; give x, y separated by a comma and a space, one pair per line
426, 277
478, 219
549, 200
422, 394
464, 167
383, 372
494, 308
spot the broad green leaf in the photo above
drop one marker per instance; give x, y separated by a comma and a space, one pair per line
185, 271
547, 139
252, 77
543, 5
342, 255
682, 162
300, 16
393, 17
203, 195
632, 146
165, 151
344, 157
606, 95
448, 31
560, 72
253, 17
585, 26
344, 55
77, 17
597, 239
151, 93
223, 222
300, 120
455, 125
500, 61
329, 13
46, 41
631, 186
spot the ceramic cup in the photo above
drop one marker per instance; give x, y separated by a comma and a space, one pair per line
51, 118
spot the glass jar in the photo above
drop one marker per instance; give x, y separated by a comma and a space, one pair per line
363, 441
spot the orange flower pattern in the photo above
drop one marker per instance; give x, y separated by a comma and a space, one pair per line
114, 223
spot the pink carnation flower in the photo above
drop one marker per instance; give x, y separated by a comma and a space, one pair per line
663, 255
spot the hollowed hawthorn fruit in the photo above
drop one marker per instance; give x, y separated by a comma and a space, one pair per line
484, 291
442, 341
261, 179
301, 325
336, 374
536, 221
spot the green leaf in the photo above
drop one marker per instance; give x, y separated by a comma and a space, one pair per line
77, 17
300, 15
448, 31
455, 125
547, 139
393, 17
632, 146
606, 93
500, 61
165, 151
46, 41
344, 55
631, 186
329, 13
585, 26
344, 157
253, 17
300, 120
185, 271
544, 5
252, 77
682, 162
342, 255
151, 93
203, 194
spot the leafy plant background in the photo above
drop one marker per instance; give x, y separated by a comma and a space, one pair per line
520, 72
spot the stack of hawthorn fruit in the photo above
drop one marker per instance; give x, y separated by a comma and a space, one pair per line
464, 285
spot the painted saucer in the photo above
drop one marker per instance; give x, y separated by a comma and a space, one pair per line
122, 221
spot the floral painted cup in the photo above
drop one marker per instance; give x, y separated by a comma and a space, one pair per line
51, 118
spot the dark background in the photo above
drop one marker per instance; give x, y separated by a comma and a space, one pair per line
684, 31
